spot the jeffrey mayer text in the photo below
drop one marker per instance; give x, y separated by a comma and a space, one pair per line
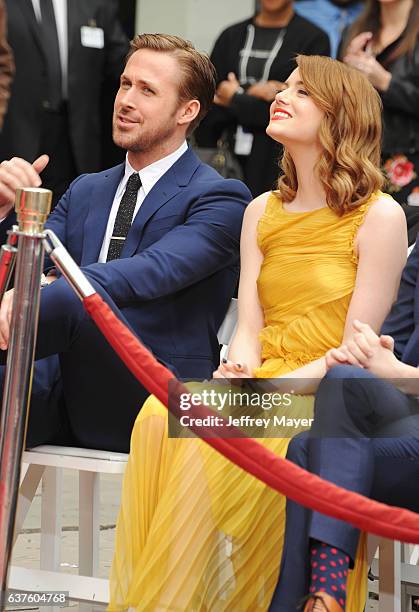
245, 421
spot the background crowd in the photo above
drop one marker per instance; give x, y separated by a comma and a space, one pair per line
66, 66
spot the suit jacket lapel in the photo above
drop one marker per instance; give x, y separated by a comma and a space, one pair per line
101, 200
28, 12
163, 191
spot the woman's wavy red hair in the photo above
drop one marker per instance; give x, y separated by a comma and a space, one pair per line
349, 134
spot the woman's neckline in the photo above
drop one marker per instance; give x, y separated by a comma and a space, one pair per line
301, 212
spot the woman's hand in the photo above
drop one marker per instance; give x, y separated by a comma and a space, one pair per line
359, 43
359, 56
378, 76
229, 369
337, 356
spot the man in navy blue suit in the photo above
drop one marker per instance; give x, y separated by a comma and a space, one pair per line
365, 438
158, 236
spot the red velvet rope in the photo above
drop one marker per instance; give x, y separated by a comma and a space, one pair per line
278, 473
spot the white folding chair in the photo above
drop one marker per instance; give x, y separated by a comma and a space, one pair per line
228, 327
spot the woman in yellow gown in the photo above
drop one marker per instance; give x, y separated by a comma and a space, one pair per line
195, 533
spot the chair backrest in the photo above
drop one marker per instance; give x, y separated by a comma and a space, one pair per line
228, 326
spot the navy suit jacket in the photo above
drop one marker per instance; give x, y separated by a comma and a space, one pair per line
403, 321
180, 262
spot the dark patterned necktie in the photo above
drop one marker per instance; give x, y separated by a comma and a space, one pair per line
52, 52
124, 216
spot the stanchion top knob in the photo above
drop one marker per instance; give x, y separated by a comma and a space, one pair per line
32, 205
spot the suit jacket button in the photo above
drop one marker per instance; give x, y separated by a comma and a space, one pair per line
46, 104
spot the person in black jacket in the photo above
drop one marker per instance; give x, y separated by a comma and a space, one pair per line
383, 44
252, 59
65, 53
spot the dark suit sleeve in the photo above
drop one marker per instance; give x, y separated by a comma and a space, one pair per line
208, 241
400, 323
57, 222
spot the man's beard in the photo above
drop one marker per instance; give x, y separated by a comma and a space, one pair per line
145, 140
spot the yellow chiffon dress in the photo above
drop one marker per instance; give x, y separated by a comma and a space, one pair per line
195, 532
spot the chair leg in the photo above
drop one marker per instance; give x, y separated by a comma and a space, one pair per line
89, 523
30, 479
373, 543
51, 517
390, 577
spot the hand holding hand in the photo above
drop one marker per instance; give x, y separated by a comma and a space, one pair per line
337, 356
373, 352
226, 90
360, 349
16, 173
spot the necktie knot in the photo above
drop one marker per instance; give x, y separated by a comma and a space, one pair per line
134, 182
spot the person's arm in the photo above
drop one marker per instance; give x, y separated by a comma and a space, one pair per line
7, 67
400, 323
400, 93
376, 354
381, 246
57, 221
245, 350
206, 242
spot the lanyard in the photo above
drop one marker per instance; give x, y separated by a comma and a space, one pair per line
246, 52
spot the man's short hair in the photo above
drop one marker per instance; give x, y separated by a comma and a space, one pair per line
199, 75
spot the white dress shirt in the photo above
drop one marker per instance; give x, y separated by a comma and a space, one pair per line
149, 177
60, 10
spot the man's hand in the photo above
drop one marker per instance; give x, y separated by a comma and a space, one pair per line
16, 173
374, 353
226, 90
265, 90
6, 309
359, 351
5, 318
